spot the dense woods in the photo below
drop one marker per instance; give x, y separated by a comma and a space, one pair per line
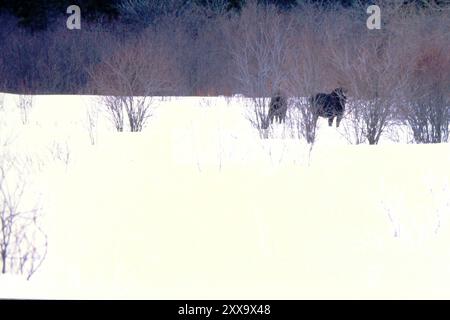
40, 14
39, 54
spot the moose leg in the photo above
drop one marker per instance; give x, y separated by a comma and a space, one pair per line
338, 120
330, 121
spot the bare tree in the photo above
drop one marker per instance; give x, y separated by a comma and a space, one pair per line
307, 72
23, 243
92, 123
131, 76
138, 111
426, 107
258, 44
354, 126
60, 150
25, 104
370, 67
114, 109
429, 118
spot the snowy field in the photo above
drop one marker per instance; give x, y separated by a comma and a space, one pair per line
197, 206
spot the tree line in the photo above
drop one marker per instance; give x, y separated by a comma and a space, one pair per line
41, 14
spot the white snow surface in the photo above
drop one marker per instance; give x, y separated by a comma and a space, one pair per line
197, 206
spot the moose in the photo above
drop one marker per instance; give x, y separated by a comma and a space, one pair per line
329, 105
277, 109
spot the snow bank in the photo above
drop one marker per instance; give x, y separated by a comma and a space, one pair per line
197, 206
